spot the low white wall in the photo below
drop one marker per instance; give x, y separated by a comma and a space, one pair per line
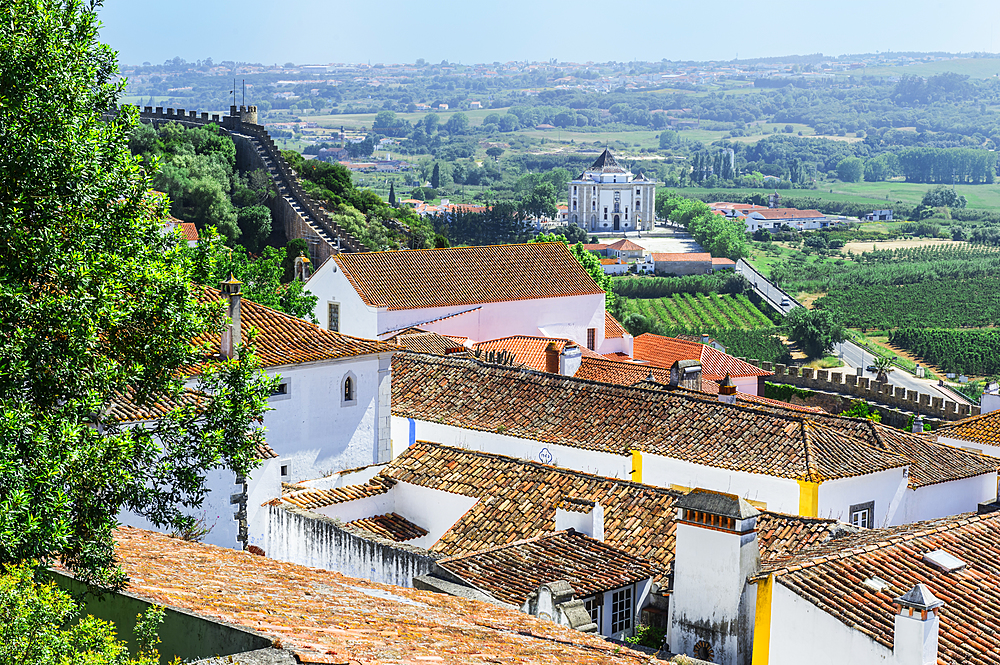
801, 631
312, 540
780, 494
944, 499
837, 496
588, 461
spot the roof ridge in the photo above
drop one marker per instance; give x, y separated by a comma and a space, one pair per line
544, 535
812, 473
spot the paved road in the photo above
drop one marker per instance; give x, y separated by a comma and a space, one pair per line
852, 354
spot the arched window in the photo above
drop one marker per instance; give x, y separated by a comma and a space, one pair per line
574, 204
574, 219
638, 204
349, 390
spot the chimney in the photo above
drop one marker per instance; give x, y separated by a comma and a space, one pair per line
915, 639
582, 515
552, 358
715, 548
233, 334
918, 424
727, 391
570, 360
686, 374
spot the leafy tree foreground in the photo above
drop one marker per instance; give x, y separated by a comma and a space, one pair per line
96, 305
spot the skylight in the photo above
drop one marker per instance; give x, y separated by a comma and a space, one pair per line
943, 561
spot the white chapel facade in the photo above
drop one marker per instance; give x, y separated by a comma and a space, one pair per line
609, 198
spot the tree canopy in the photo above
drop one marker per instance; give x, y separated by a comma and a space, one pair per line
96, 307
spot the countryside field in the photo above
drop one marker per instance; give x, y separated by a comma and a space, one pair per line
700, 311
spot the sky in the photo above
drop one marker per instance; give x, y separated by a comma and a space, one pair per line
401, 31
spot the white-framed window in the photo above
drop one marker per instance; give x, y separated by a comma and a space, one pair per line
863, 515
349, 390
593, 606
286, 470
621, 610
333, 316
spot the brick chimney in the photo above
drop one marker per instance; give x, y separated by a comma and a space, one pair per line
915, 638
233, 334
552, 358
727, 391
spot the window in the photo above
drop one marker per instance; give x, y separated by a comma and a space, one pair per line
285, 470
638, 205
349, 390
574, 189
621, 610
637, 191
593, 607
863, 515
333, 317
574, 204
605, 212
281, 391
591, 338
618, 202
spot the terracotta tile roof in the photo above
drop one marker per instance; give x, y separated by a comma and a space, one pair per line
391, 526
426, 342
573, 412
189, 230
325, 617
711, 390
626, 245
310, 498
665, 351
681, 256
619, 371
611, 262
788, 213
530, 351
831, 576
596, 247
613, 329
513, 572
411, 279
765, 437
722, 261
124, 409
286, 340
984, 428
265, 451
519, 499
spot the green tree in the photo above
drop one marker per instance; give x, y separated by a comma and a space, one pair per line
494, 152
40, 624
255, 226
851, 169
431, 122
458, 123
96, 306
541, 202
392, 194
436, 176
861, 409
815, 330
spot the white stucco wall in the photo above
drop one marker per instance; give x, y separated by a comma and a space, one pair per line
780, 494
310, 427
944, 499
746, 384
837, 496
329, 284
801, 631
985, 448
588, 461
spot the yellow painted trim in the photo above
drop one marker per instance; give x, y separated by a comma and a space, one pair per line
808, 498
636, 466
762, 622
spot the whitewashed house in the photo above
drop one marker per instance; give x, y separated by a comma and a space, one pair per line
808, 464
330, 412
480, 293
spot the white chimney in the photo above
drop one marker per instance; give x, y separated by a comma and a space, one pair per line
915, 640
233, 334
918, 424
715, 552
570, 360
586, 517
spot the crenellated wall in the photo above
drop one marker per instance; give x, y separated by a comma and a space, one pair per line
298, 213
861, 387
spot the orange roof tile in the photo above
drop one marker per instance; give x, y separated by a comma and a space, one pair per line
391, 526
984, 428
189, 230
832, 576
722, 261
626, 245
613, 329
325, 617
530, 351
287, 340
411, 279
788, 213
665, 351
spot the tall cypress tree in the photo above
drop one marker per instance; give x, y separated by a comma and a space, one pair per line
436, 176
392, 195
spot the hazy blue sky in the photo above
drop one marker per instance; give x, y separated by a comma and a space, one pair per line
324, 31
